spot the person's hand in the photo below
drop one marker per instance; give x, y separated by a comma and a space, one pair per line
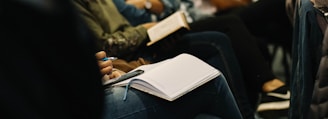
106, 67
116, 73
139, 4
149, 25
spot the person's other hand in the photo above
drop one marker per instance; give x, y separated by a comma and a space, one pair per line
116, 73
106, 67
149, 25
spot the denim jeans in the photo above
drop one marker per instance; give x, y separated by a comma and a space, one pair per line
306, 54
214, 98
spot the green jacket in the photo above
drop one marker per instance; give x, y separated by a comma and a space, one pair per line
115, 34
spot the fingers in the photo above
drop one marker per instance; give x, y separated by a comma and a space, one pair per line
100, 55
106, 70
116, 73
104, 64
106, 67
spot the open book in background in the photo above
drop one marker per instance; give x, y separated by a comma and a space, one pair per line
167, 26
172, 78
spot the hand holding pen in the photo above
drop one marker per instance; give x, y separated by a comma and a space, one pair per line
106, 68
105, 63
115, 72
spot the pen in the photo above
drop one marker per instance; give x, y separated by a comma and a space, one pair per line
109, 58
124, 77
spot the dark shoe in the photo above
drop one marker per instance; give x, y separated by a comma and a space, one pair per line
277, 99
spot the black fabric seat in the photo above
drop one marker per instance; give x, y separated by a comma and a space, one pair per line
318, 107
48, 69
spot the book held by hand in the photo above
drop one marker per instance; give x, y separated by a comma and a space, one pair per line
172, 78
167, 26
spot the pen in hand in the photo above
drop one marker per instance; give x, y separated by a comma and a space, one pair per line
106, 59
109, 58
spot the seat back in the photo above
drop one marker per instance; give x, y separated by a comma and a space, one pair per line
318, 108
48, 69
306, 52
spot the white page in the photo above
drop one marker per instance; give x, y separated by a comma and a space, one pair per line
166, 78
175, 77
166, 27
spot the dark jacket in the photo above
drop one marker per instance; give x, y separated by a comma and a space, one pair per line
319, 105
307, 38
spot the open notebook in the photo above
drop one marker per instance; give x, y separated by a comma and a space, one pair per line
172, 78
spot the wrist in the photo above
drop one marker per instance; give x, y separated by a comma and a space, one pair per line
148, 5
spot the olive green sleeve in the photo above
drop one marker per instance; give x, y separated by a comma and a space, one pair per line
119, 42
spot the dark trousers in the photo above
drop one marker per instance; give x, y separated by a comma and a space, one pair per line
255, 69
218, 52
268, 19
